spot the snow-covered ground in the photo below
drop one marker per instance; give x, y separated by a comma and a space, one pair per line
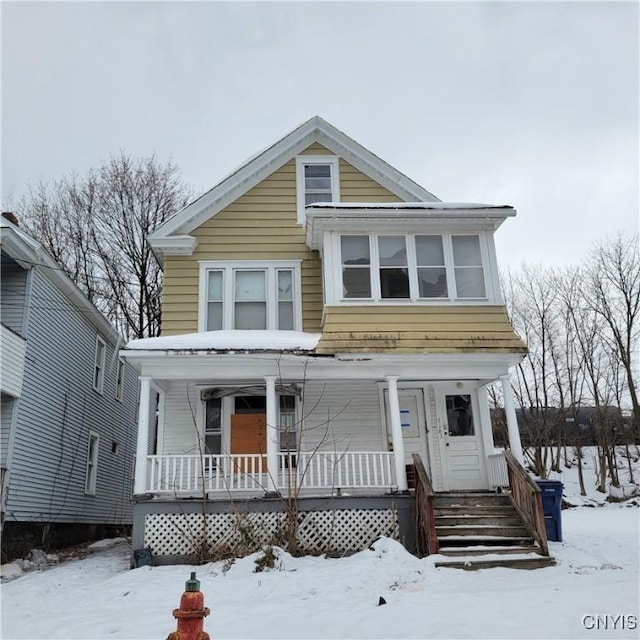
596, 575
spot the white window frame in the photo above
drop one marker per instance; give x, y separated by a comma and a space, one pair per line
335, 295
91, 474
120, 379
98, 366
228, 268
301, 163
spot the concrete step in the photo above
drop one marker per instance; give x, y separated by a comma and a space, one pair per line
473, 564
482, 550
473, 520
482, 531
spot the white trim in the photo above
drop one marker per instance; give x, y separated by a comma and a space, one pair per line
98, 367
258, 168
303, 161
91, 470
228, 267
142, 442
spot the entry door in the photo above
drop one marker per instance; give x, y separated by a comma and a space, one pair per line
461, 440
412, 422
249, 435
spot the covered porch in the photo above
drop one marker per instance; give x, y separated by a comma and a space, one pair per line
249, 424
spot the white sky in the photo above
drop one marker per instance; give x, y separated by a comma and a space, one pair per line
530, 104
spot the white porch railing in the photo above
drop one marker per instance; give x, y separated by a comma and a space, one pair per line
497, 470
248, 472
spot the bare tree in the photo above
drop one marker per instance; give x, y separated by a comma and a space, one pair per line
612, 290
95, 227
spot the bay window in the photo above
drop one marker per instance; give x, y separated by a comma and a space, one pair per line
412, 267
249, 295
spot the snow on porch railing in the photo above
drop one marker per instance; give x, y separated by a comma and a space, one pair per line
342, 469
497, 468
248, 472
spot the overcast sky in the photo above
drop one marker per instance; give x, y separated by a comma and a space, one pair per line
529, 104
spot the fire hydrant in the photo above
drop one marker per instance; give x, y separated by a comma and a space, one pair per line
191, 613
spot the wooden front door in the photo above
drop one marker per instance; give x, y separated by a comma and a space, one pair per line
249, 436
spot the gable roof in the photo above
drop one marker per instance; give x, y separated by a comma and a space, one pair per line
29, 253
266, 162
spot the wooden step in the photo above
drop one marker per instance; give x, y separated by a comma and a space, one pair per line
470, 509
474, 531
484, 550
473, 564
473, 520
471, 498
488, 541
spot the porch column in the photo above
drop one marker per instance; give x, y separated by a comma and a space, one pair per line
512, 421
142, 448
272, 435
396, 433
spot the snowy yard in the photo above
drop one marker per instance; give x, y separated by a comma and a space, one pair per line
596, 574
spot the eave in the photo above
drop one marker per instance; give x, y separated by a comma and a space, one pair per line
258, 168
411, 216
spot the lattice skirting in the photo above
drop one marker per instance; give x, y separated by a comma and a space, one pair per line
333, 531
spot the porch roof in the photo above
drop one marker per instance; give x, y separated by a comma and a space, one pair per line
237, 340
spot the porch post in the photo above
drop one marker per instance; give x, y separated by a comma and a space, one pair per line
142, 448
396, 433
272, 435
512, 421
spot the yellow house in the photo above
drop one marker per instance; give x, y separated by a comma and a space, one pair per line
326, 320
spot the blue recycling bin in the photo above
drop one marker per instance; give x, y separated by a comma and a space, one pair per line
552, 507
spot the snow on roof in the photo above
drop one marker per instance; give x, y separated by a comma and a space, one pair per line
405, 205
230, 340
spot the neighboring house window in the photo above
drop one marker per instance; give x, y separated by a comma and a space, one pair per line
412, 267
317, 180
120, 380
98, 365
250, 295
92, 463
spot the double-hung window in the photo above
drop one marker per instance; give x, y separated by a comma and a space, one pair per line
317, 180
250, 295
98, 364
412, 267
120, 380
91, 475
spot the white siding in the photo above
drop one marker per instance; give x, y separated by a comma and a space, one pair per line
180, 434
342, 415
336, 415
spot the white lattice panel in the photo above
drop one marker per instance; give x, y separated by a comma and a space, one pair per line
340, 530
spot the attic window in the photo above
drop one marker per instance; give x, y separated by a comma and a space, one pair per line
317, 180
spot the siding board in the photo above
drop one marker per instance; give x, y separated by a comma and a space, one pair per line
260, 225
57, 410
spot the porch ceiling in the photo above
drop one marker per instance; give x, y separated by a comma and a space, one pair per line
233, 367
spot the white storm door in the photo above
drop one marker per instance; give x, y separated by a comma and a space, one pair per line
412, 423
464, 460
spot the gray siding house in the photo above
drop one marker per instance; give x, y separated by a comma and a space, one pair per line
68, 406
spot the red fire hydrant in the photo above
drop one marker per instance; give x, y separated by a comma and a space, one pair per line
191, 613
